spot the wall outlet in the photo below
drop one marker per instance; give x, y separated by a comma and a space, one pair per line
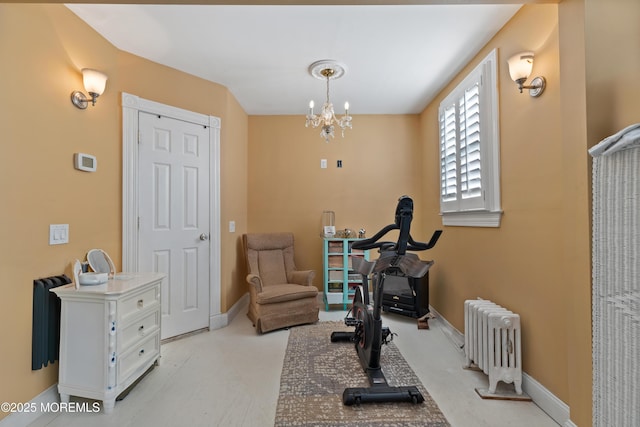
58, 234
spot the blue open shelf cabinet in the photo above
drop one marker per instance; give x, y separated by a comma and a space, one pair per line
340, 280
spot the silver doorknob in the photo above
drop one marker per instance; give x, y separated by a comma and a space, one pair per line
204, 236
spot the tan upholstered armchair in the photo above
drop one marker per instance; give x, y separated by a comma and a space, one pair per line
280, 295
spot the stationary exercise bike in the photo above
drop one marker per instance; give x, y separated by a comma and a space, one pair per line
369, 334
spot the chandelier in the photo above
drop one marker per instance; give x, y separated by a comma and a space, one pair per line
327, 70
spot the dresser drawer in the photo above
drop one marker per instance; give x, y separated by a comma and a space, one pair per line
139, 329
141, 353
132, 305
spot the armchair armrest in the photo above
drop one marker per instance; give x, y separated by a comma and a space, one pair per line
302, 277
255, 281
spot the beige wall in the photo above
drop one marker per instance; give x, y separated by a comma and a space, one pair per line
612, 58
576, 236
42, 50
234, 197
289, 190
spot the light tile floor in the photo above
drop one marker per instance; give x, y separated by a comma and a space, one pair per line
230, 377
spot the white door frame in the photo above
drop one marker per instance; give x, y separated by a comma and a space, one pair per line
131, 106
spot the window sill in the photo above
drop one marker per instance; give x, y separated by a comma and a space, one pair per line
472, 218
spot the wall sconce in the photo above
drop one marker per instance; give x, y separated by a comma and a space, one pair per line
520, 66
94, 83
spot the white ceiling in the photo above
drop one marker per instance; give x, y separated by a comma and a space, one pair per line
398, 57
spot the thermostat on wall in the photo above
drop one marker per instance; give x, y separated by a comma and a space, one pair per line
86, 162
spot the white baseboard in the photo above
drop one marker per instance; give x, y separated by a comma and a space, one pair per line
217, 321
453, 333
547, 401
23, 419
543, 398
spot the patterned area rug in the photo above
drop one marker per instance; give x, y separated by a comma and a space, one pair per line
316, 372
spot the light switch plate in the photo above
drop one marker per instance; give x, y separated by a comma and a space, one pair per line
232, 226
58, 234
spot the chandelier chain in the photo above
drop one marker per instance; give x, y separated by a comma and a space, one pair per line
327, 89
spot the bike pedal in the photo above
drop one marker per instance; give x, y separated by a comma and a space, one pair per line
351, 321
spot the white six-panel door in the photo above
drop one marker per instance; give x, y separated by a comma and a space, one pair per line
173, 206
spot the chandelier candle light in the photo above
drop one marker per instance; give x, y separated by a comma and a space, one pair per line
328, 70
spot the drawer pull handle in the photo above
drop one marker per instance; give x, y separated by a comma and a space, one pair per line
141, 352
140, 303
141, 330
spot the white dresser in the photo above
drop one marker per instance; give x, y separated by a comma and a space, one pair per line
109, 336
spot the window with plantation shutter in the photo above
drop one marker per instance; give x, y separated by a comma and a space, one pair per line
469, 150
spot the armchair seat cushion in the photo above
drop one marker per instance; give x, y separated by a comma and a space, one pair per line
285, 292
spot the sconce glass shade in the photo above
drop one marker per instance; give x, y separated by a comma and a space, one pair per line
94, 81
520, 66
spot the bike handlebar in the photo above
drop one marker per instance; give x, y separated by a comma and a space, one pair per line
404, 215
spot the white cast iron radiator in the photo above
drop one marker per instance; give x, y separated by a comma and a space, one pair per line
492, 342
